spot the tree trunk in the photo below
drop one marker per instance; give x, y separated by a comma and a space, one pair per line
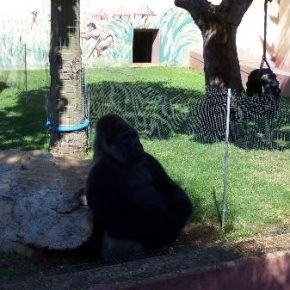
218, 25
221, 64
66, 100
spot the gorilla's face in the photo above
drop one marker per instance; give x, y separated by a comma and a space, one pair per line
125, 147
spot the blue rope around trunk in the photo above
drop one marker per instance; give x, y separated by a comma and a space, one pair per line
74, 128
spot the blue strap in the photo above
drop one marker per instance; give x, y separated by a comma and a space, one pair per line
74, 128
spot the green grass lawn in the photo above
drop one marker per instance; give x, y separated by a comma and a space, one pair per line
22, 116
171, 77
258, 185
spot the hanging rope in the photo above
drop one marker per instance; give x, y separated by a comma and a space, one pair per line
263, 80
264, 57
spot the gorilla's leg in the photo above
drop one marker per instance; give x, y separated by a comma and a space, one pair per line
113, 248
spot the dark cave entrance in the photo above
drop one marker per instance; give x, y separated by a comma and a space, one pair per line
145, 46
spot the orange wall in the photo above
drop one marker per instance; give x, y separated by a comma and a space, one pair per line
283, 41
250, 34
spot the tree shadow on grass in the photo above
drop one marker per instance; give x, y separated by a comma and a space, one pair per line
153, 108
3, 86
159, 111
22, 123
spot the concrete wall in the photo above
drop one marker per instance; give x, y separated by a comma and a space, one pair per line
283, 39
251, 34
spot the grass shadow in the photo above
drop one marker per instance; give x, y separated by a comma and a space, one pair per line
264, 124
22, 124
3, 86
217, 207
159, 111
153, 108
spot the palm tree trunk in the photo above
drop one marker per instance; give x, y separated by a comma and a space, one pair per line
65, 103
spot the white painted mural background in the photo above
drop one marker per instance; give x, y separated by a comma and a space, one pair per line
27, 23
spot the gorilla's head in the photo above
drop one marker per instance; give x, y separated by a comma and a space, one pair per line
116, 138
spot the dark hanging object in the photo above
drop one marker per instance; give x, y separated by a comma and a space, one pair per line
263, 80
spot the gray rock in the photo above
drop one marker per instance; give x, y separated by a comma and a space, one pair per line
40, 201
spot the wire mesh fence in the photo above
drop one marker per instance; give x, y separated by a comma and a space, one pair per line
258, 121
182, 126
158, 112
23, 93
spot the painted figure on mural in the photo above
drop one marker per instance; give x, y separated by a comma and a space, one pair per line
103, 39
34, 18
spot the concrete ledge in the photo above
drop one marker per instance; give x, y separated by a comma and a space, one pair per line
257, 263
271, 272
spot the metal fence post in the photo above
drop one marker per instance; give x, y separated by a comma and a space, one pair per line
226, 158
86, 102
25, 72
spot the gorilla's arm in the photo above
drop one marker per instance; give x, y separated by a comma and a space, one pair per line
125, 217
176, 199
101, 185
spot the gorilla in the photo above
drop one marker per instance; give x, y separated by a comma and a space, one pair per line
138, 206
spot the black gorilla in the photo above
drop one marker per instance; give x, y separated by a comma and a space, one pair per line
138, 205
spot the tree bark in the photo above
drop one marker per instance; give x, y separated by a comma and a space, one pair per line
65, 104
218, 25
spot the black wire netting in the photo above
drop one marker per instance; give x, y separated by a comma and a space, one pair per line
260, 121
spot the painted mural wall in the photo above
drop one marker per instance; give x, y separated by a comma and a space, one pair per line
107, 32
30, 30
114, 33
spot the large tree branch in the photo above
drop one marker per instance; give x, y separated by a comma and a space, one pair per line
198, 9
231, 11
234, 10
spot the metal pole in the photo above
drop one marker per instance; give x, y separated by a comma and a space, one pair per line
226, 158
25, 72
86, 103
87, 100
